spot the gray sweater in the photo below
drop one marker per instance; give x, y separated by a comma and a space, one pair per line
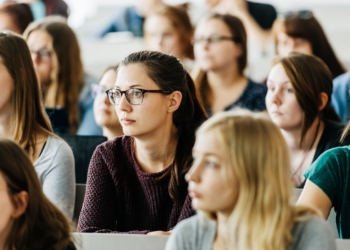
198, 233
56, 172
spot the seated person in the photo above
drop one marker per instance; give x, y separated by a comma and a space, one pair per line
341, 96
22, 119
244, 202
136, 182
28, 220
220, 49
298, 101
15, 16
104, 112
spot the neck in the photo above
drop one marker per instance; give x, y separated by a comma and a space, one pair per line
6, 130
111, 133
157, 152
293, 136
225, 77
4, 236
222, 229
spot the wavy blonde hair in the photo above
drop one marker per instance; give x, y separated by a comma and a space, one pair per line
256, 153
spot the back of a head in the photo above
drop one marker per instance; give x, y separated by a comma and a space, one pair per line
310, 77
307, 27
20, 14
169, 74
40, 217
28, 116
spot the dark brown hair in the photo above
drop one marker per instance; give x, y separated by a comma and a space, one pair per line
240, 37
169, 74
28, 116
42, 225
20, 14
70, 76
311, 30
180, 20
310, 77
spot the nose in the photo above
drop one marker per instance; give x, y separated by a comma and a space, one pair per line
35, 58
273, 97
193, 174
124, 105
106, 99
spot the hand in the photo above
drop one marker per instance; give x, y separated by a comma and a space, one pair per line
159, 233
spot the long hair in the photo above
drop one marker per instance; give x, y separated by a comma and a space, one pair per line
169, 74
239, 34
180, 20
20, 14
42, 225
255, 152
310, 77
29, 116
311, 30
70, 74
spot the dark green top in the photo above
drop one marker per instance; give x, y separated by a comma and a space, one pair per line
331, 173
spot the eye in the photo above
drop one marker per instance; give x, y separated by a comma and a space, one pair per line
116, 93
135, 93
210, 164
289, 90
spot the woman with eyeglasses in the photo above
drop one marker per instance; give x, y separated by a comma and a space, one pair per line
299, 31
220, 48
23, 119
136, 182
240, 186
104, 112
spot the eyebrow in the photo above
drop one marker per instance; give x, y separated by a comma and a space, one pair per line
131, 86
285, 82
208, 154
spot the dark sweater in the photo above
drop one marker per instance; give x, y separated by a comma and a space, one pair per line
121, 198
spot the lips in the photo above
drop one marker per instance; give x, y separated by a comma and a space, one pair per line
193, 194
127, 121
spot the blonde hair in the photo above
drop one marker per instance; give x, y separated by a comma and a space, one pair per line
256, 153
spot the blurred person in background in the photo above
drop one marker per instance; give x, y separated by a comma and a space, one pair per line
15, 16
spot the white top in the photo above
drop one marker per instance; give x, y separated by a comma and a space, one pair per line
56, 172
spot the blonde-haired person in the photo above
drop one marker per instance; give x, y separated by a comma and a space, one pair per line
28, 220
22, 119
245, 202
104, 113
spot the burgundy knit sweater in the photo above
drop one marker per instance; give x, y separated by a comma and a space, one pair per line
121, 198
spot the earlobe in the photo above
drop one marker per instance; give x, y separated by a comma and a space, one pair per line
21, 200
323, 101
175, 101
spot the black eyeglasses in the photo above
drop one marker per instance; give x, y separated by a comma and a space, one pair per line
302, 14
214, 39
133, 96
42, 54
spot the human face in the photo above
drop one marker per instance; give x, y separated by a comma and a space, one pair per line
161, 36
104, 112
6, 23
281, 102
6, 87
147, 118
210, 189
40, 44
287, 44
7, 210
216, 55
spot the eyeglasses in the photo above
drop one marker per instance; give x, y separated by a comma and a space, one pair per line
97, 90
133, 96
42, 54
214, 39
302, 14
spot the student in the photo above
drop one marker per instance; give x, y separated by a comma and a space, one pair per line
15, 16
136, 182
298, 101
244, 202
104, 112
221, 53
340, 96
28, 220
56, 56
168, 29
22, 120
327, 186
299, 31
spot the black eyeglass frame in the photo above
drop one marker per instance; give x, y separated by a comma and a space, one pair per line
143, 91
302, 14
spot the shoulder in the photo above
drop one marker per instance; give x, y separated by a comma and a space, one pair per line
118, 144
314, 233
342, 79
257, 87
59, 147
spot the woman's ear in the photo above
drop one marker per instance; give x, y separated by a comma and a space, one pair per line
21, 201
323, 101
174, 101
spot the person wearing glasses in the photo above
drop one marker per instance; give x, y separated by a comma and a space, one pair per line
168, 29
136, 183
22, 119
300, 31
244, 202
220, 48
104, 112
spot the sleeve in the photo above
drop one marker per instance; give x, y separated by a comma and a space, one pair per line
326, 172
99, 211
182, 236
59, 182
316, 234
